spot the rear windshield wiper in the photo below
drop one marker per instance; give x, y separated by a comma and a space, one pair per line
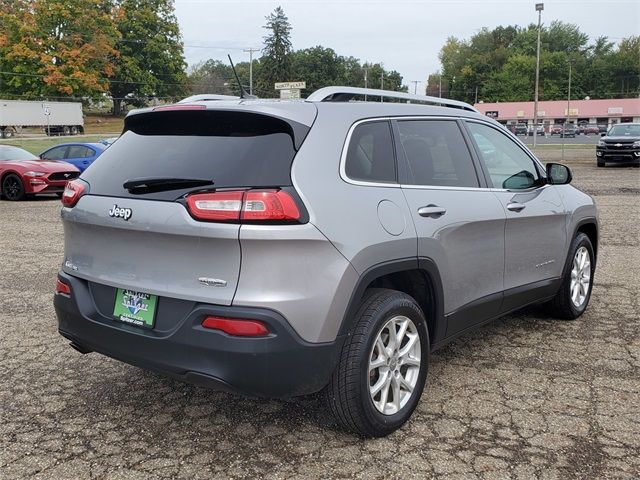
163, 184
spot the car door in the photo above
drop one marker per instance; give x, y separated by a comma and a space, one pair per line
80, 156
459, 222
535, 233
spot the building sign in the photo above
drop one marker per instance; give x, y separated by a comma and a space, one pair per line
520, 113
572, 111
614, 110
492, 114
541, 113
290, 85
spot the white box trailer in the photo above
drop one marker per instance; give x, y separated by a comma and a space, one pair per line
56, 118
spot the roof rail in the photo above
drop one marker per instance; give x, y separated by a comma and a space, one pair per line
344, 94
208, 97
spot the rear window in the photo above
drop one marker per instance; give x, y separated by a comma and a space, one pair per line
232, 149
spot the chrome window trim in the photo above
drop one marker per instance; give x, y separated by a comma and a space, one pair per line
364, 183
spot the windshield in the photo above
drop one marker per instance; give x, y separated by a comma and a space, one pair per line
625, 131
8, 152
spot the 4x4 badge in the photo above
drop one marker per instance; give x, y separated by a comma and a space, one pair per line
120, 212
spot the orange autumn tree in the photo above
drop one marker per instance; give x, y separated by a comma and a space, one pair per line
57, 48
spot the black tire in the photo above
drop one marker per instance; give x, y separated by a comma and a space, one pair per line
8, 132
74, 130
561, 306
12, 188
601, 163
66, 130
348, 394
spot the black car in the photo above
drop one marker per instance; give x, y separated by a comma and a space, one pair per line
569, 130
621, 144
521, 129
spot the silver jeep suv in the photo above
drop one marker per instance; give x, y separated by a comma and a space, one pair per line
281, 248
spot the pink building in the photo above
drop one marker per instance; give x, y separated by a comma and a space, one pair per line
595, 112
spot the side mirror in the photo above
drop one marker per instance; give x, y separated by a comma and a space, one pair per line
603, 134
558, 174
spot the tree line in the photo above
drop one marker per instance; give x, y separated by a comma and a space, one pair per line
318, 66
131, 51
499, 65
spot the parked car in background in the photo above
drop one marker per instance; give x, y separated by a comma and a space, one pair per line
569, 130
621, 145
555, 129
520, 129
590, 130
23, 174
539, 130
81, 155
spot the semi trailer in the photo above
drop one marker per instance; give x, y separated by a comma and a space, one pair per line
55, 118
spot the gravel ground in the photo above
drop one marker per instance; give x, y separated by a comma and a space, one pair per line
525, 397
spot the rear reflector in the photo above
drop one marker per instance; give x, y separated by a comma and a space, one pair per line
72, 193
62, 288
251, 205
237, 327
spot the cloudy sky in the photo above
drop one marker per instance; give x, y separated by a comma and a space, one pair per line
404, 35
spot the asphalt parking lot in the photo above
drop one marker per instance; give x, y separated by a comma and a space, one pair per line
525, 397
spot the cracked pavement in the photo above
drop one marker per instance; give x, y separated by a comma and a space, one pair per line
525, 397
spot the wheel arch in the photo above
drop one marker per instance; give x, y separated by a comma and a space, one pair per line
417, 277
588, 226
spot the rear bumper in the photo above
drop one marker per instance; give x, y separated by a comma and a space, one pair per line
280, 365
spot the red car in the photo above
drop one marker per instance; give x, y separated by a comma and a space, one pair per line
23, 174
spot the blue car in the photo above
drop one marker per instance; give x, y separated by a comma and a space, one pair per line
80, 155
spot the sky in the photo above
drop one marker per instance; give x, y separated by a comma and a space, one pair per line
404, 35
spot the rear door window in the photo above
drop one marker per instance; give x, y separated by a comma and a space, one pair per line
370, 155
436, 154
232, 149
79, 151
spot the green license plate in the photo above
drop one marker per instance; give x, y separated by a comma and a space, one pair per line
135, 308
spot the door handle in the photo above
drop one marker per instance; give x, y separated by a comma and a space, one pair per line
432, 211
516, 207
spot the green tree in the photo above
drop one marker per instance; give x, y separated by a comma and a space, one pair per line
151, 56
212, 76
276, 58
57, 48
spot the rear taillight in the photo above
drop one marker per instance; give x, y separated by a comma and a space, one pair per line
237, 327
62, 288
250, 206
72, 193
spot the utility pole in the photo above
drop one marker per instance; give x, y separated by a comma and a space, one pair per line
539, 9
476, 94
415, 86
440, 85
251, 50
366, 71
381, 85
566, 123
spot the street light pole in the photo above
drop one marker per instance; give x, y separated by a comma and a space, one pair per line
539, 8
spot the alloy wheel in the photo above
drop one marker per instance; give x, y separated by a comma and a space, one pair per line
580, 277
394, 365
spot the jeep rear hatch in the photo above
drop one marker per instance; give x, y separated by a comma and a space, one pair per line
134, 225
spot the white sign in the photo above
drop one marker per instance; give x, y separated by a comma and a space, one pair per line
290, 85
614, 110
47, 110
